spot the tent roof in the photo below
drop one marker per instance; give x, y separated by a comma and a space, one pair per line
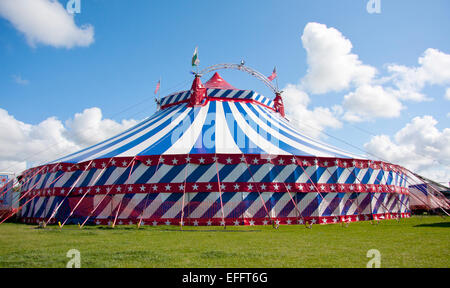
216, 81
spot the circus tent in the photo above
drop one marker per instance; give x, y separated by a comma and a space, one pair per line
213, 155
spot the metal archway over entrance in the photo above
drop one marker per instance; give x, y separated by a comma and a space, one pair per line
242, 67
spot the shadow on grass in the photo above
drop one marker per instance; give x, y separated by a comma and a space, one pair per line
440, 225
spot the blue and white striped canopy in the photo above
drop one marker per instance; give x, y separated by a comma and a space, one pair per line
230, 121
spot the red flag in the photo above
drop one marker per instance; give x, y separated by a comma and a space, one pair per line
157, 86
274, 74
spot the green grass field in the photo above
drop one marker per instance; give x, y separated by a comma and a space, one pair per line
415, 242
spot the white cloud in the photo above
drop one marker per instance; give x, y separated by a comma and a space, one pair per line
19, 80
368, 102
46, 22
433, 69
311, 122
89, 127
447, 94
22, 143
419, 146
331, 65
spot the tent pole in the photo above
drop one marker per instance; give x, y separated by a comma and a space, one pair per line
260, 194
184, 193
220, 192
148, 194
120, 204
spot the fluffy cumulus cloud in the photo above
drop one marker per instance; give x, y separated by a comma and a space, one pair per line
433, 69
447, 94
368, 102
419, 146
310, 121
333, 67
22, 143
46, 22
331, 64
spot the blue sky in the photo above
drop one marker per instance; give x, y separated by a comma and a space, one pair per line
134, 43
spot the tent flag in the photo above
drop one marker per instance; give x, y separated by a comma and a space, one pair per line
157, 86
195, 60
274, 74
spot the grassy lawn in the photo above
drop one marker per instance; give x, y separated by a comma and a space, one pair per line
415, 242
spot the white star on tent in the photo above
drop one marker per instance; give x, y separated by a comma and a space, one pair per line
119, 188
155, 223
113, 162
79, 191
281, 161
124, 163
300, 221
201, 160
103, 165
325, 163
168, 187
181, 223
149, 162
311, 187
108, 189
252, 222
324, 220
167, 222
293, 160
250, 187
277, 222
174, 161
335, 219
288, 187
120, 222
215, 159
276, 187
288, 221
155, 187
300, 187
195, 223
195, 187
316, 161
354, 163
336, 162
209, 186
222, 186
305, 163
243, 159
255, 161
263, 187
236, 187
236, 223
222, 223
345, 164
86, 167
130, 223
322, 187
333, 188
69, 168
97, 190
97, 222
130, 188
142, 188
228, 160
161, 160
209, 223
181, 187
313, 221
342, 187
188, 159
357, 218
265, 222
